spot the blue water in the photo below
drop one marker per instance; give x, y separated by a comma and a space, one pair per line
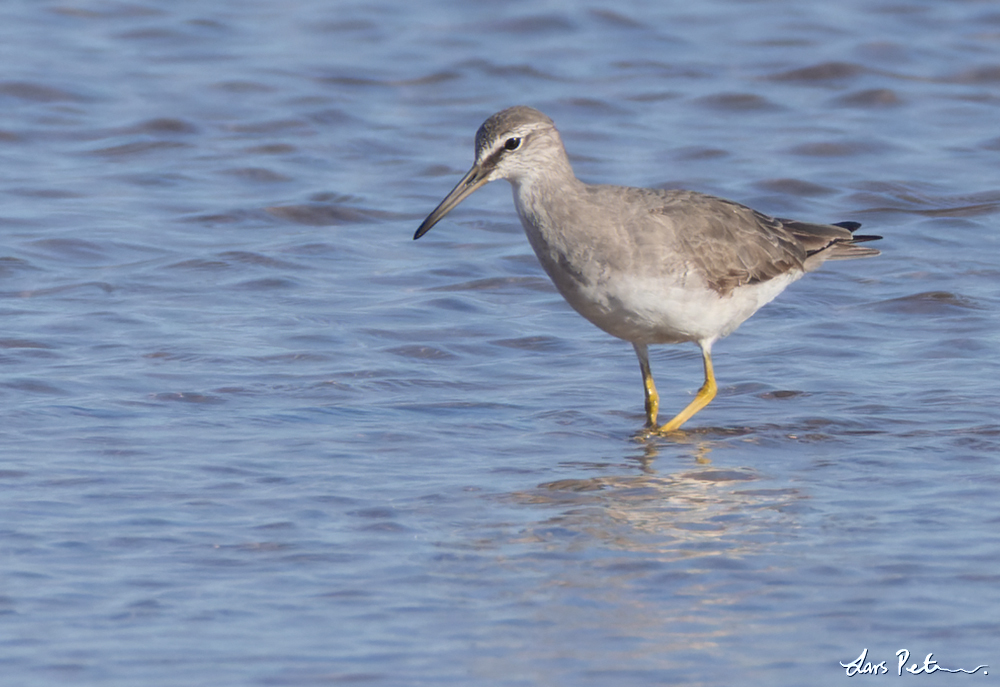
252, 434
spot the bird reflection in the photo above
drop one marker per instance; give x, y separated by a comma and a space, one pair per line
700, 449
694, 505
663, 551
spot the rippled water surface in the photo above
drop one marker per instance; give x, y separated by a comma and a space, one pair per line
253, 434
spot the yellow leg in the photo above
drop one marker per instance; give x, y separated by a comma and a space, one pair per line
704, 397
652, 398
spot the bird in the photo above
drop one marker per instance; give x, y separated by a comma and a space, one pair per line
648, 266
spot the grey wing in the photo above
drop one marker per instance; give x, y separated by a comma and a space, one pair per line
729, 244
732, 245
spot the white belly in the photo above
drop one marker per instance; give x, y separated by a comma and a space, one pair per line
654, 311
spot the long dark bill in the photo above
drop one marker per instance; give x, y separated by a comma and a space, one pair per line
470, 182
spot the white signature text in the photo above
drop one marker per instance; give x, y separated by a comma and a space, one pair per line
862, 666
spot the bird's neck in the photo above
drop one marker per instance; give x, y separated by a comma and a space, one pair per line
546, 204
549, 184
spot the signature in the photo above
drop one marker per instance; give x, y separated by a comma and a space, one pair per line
862, 666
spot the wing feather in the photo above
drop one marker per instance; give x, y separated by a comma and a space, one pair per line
732, 245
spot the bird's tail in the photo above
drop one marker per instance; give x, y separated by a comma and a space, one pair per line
830, 241
848, 248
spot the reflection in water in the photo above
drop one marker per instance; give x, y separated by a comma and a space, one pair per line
683, 508
663, 558
695, 438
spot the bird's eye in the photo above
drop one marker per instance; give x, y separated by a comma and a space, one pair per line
512, 143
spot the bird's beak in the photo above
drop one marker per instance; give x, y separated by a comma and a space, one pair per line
476, 177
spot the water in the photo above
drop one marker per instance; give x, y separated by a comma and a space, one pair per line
253, 434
